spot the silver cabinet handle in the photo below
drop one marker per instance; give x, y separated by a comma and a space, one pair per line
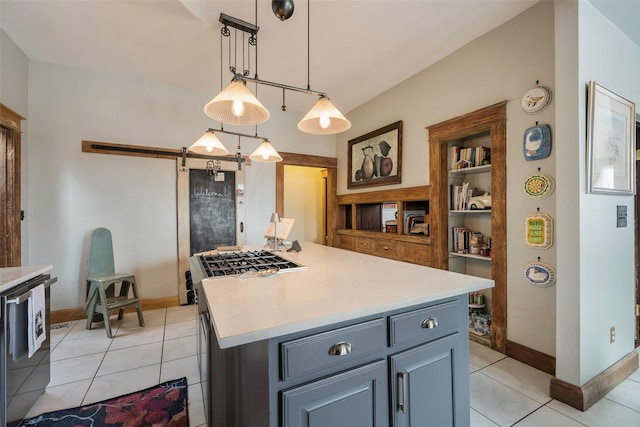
430, 323
403, 404
365, 244
386, 248
340, 349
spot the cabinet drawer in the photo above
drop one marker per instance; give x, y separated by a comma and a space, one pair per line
388, 249
424, 324
315, 352
417, 253
365, 245
347, 242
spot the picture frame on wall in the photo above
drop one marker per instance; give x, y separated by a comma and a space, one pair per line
610, 142
376, 157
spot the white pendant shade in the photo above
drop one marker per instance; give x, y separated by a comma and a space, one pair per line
324, 119
236, 105
265, 153
209, 144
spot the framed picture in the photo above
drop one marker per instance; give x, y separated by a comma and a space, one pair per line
610, 142
376, 158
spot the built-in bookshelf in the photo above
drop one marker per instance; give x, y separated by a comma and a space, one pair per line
388, 223
467, 162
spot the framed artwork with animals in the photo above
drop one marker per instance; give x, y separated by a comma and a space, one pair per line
376, 157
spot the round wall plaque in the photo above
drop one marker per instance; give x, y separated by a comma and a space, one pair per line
536, 100
539, 185
540, 274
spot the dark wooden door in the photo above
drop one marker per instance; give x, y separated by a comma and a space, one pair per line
10, 210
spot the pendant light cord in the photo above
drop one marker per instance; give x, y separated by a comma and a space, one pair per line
308, 44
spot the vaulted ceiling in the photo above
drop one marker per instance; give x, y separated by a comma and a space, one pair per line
358, 48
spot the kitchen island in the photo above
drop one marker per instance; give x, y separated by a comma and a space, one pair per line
349, 340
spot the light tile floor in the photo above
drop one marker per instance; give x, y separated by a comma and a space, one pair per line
86, 367
505, 392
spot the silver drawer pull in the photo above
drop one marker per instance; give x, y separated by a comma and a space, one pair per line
365, 244
386, 248
403, 404
430, 323
340, 349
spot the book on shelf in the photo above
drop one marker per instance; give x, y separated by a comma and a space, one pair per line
412, 217
460, 239
467, 157
459, 196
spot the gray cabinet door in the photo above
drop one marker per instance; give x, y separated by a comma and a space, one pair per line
355, 398
429, 386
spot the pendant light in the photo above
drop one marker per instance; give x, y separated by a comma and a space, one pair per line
323, 119
209, 144
265, 153
236, 105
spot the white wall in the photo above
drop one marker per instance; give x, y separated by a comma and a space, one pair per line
597, 259
71, 193
501, 65
14, 75
303, 202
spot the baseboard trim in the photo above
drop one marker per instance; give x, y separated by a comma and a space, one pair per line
67, 315
531, 357
582, 398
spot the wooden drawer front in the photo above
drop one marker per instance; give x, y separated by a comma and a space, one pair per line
407, 327
347, 242
417, 253
365, 245
388, 249
309, 354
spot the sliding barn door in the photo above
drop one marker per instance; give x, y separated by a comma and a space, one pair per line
210, 210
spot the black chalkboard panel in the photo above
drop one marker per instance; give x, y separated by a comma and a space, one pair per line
212, 210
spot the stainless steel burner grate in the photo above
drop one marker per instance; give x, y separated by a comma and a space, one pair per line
236, 263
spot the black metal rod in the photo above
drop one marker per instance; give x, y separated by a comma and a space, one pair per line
256, 136
279, 85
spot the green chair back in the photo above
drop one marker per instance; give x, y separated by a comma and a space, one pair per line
101, 254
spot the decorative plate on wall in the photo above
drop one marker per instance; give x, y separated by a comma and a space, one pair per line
536, 100
539, 185
536, 142
539, 230
540, 274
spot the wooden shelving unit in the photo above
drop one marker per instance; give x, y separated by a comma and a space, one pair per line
491, 121
360, 224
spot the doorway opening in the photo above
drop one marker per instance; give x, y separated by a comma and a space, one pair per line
313, 218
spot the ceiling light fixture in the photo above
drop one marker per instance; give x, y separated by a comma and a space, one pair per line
283, 9
237, 105
210, 145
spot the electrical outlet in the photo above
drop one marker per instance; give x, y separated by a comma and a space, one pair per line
612, 334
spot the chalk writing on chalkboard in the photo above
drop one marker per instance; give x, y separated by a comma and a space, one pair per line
212, 210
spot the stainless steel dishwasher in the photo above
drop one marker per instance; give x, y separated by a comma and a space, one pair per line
22, 378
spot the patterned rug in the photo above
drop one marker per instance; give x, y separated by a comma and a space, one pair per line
161, 405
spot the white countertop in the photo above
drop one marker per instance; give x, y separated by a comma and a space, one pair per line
338, 285
12, 276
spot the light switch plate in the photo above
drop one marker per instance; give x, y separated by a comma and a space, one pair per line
622, 216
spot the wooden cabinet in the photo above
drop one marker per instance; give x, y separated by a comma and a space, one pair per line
409, 365
354, 398
426, 384
374, 223
484, 127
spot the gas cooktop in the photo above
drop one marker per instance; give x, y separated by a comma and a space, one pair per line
260, 262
